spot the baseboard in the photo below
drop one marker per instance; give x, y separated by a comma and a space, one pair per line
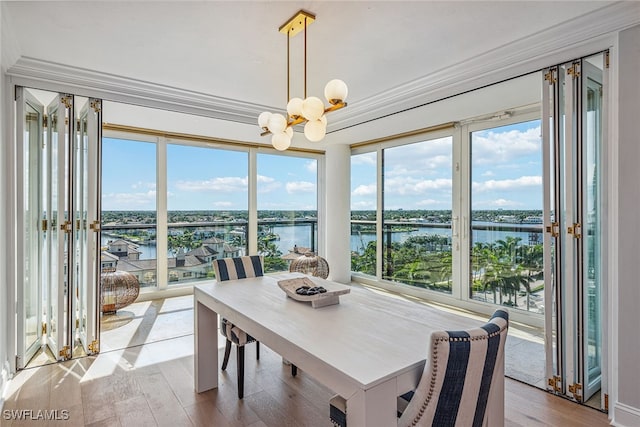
625, 415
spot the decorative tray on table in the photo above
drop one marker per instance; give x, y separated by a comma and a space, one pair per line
318, 291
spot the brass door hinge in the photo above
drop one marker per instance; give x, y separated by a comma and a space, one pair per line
553, 229
575, 230
576, 390
96, 104
44, 224
94, 347
606, 396
65, 352
606, 59
555, 383
77, 323
95, 226
574, 70
67, 100
66, 226
44, 328
44, 121
550, 76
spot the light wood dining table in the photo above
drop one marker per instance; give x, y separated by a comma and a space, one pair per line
369, 348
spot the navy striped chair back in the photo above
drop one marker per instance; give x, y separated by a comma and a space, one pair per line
238, 268
456, 382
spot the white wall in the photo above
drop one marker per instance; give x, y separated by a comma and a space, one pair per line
338, 212
627, 407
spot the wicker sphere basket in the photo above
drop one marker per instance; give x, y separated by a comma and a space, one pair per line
118, 289
312, 264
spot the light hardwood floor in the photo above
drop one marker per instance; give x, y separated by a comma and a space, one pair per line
144, 376
152, 385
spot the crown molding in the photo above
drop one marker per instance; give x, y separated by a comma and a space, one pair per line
80, 81
580, 36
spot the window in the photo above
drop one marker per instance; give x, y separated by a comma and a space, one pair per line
506, 216
129, 232
363, 213
287, 204
417, 197
207, 209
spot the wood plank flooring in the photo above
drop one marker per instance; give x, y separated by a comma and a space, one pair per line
152, 385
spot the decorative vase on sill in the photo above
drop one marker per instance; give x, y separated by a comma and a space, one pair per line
312, 264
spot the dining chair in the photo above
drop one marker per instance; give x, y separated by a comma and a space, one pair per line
230, 269
456, 381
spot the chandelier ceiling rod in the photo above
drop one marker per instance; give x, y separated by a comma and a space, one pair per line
311, 110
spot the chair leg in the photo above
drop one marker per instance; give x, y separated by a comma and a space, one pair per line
227, 352
257, 350
240, 353
294, 370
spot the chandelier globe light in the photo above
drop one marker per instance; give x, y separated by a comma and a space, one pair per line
309, 111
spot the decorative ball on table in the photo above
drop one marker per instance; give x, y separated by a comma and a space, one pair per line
312, 264
118, 290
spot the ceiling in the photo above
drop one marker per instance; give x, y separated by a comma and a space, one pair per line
232, 50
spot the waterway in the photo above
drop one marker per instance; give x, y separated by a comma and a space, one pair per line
300, 235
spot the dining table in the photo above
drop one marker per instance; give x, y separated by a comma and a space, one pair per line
370, 347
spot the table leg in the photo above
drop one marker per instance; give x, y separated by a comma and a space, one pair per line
376, 407
205, 353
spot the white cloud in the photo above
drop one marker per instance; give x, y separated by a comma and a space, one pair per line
311, 166
521, 183
498, 203
300, 187
363, 205
364, 159
224, 184
267, 184
490, 147
364, 190
132, 201
411, 186
143, 185
223, 205
488, 173
433, 203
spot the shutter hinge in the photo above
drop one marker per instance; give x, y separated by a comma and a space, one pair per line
44, 224
44, 328
96, 104
95, 226
65, 352
94, 347
66, 226
555, 383
550, 76
576, 390
553, 229
574, 70
44, 121
67, 100
575, 230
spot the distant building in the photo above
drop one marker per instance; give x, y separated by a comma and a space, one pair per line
194, 264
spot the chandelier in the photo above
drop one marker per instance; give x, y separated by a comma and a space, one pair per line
310, 110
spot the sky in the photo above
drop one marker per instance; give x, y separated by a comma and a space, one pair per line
203, 178
506, 173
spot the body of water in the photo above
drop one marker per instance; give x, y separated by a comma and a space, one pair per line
290, 235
